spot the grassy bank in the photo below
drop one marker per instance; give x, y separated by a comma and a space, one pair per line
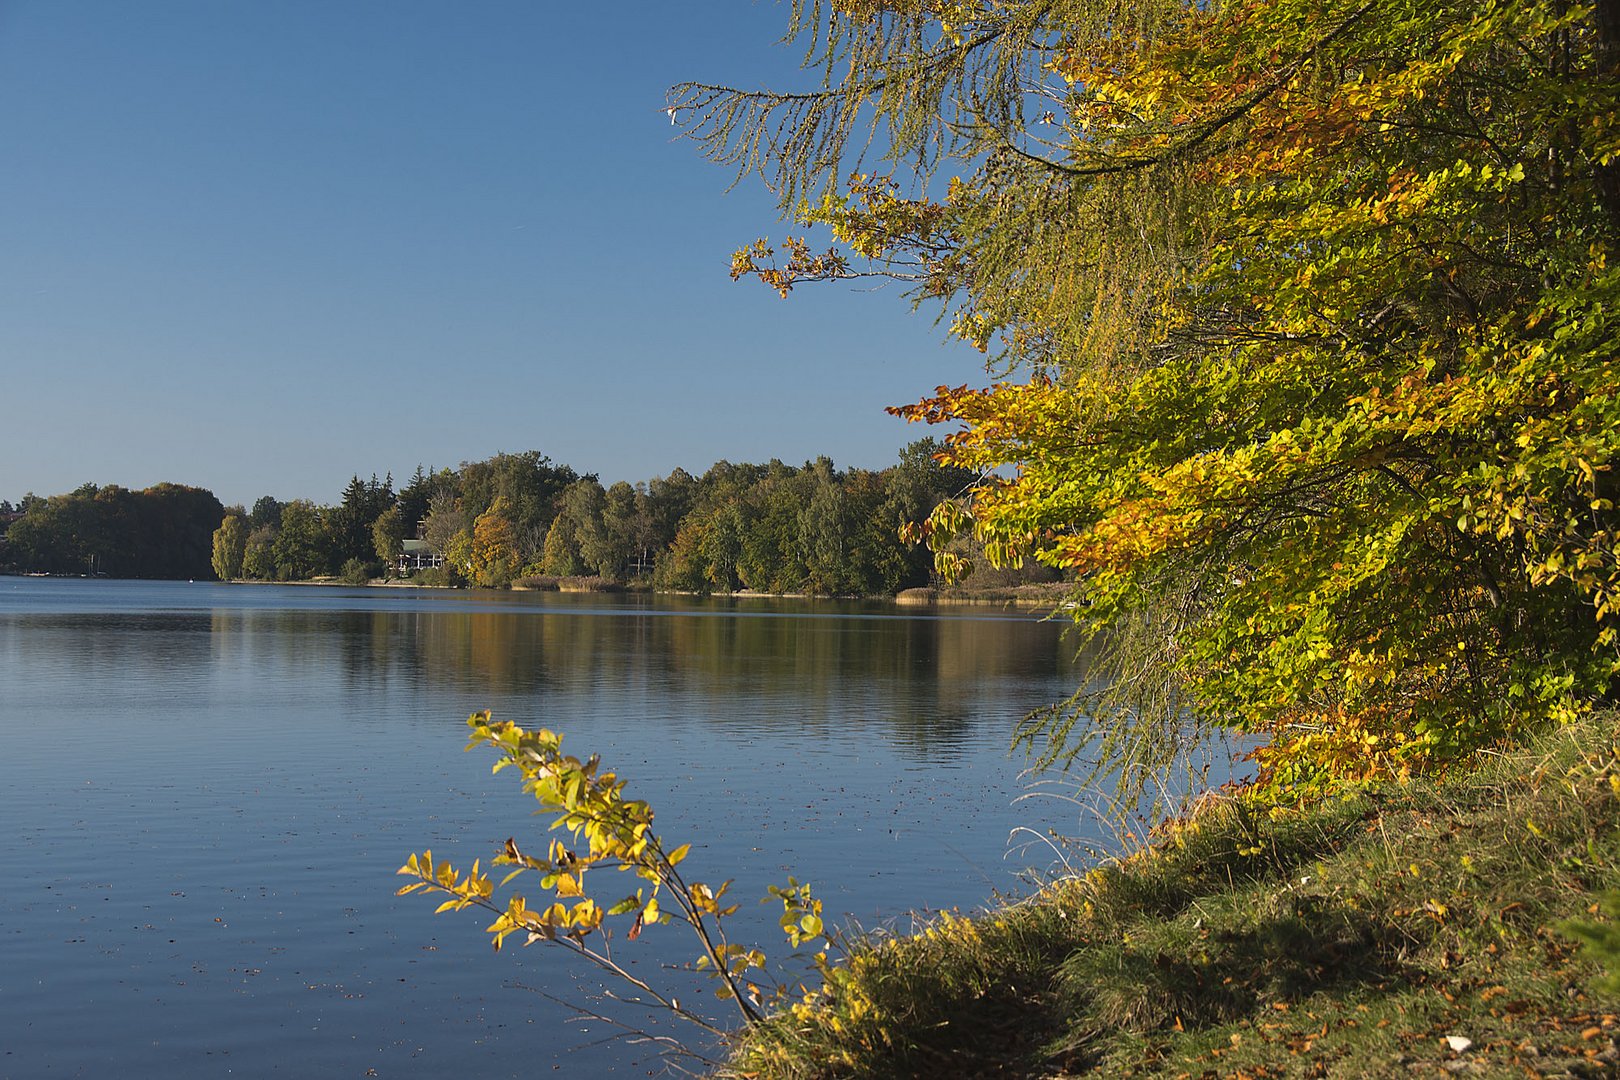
1414, 931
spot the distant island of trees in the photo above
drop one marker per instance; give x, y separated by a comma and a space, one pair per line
514, 518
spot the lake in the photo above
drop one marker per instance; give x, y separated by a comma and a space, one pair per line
207, 789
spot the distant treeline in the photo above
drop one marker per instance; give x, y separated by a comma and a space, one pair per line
162, 532
770, 528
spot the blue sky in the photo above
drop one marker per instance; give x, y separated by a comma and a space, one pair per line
262, 247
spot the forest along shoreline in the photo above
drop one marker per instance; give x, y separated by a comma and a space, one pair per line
521, 520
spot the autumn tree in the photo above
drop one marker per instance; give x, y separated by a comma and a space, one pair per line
230, 547
493, 560
259, 555
529, 482
682, 566
1303, 312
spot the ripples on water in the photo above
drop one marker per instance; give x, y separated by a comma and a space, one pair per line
206, 790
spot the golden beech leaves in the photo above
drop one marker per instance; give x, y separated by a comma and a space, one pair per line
1314, 302
605, 830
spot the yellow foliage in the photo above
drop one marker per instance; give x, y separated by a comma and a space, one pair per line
607, 830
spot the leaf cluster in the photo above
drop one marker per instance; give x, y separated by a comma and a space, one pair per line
608, 831
1310, 308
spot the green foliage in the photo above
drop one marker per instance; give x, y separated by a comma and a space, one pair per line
625, 531
1312, 304
350, 523
561, 557
434, 578
230, 547
444, 521
584, 503
592, 533
266, 513
458, 558
259, 557
608, 831
388, 537
302, 545
529, 483
164, 531
682, 568
770, 528
813, 529
417, 496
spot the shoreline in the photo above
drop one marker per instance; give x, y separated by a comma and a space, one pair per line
1050, 597
1459, 925
1053, 597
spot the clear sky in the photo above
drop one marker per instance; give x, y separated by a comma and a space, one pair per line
261, 247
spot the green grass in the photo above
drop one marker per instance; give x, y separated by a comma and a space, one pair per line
1349, 940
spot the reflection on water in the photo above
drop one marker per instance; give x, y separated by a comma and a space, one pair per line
207, 789
921, 678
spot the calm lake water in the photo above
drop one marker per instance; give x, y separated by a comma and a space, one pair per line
206, 789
